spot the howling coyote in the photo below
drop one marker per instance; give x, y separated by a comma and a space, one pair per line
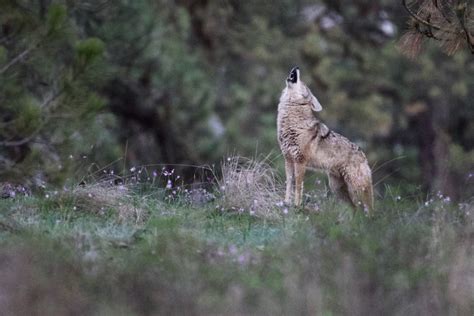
306, 142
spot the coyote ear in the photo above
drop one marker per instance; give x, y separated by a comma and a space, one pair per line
323, 130
315, 105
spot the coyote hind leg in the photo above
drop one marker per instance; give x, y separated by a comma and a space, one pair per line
339, 188
362, 196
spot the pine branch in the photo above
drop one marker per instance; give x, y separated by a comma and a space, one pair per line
462, 20
47, 101
23, 141
450, 33
16, 60
440, 9
421, 20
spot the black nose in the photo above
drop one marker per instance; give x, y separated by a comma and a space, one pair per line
293, 77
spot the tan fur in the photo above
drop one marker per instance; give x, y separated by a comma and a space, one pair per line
307, 142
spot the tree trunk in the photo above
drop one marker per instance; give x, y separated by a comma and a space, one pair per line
432, 140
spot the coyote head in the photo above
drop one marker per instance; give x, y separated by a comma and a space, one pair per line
296, 92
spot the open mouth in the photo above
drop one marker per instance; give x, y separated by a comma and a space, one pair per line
293, 77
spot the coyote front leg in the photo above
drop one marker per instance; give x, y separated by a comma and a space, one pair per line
290, 174
299, 179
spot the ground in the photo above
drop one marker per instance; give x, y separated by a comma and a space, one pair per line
149, 251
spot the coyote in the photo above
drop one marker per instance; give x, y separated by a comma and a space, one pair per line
307, 142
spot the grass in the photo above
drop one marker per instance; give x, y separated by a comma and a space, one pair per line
81, 253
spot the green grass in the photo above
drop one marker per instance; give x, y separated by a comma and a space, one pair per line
411, 259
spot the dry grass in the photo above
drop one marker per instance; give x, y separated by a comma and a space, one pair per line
102, 199
250, 186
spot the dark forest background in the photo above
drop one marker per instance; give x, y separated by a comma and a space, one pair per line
189, 82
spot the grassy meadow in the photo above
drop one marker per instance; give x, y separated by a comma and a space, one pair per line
232, 248
95, 93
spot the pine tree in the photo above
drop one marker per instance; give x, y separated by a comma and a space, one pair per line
47, 98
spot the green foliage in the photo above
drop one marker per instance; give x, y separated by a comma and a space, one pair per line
3, 54
28, 116
56, 18
49, 98
89, 50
